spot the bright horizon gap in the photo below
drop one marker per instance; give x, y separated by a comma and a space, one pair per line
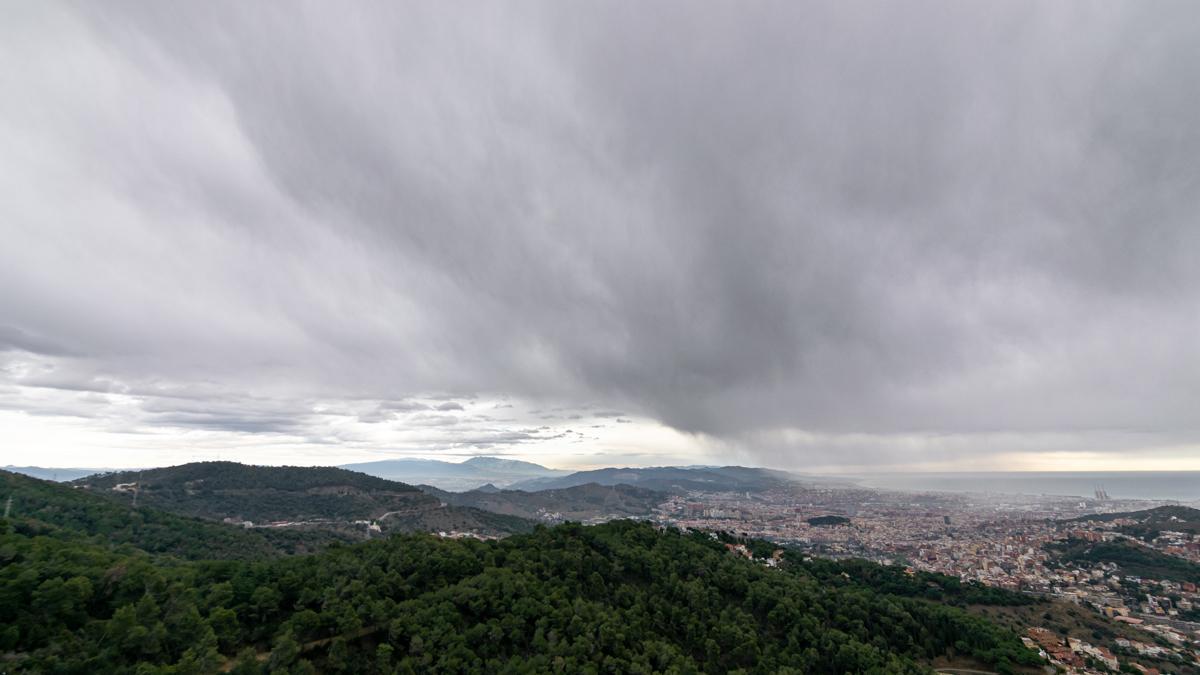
832, 474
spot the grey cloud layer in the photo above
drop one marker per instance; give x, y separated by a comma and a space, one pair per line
744, 221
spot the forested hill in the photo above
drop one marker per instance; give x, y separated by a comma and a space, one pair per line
314, 497
1150, 523
1133, 559
262, 493
619, 597
579, 503
466, 475
42, 508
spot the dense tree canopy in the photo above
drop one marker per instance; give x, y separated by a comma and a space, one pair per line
1130, 557
51, 509
325, 498
619, 597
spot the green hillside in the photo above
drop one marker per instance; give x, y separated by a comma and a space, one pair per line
1150, 523
1132, 558
260, 494
1160, 514
45, 509
620, 597
579, 503
305, 498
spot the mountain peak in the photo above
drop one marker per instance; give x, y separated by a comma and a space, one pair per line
499, 463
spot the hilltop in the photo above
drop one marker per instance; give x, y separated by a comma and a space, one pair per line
217, 490
1160, 514
307, 497
1151, 523
468, 475
43, 508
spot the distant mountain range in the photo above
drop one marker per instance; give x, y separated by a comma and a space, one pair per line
457, 476
583, 503
346, 502
61, 475
670, 479
493, 473
483, 474
326, 498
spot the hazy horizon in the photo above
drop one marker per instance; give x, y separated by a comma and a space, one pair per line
921, 237
1180, 486
460, 459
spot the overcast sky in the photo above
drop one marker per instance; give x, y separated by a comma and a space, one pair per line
832, 236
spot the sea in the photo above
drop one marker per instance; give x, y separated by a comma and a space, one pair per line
1182, 486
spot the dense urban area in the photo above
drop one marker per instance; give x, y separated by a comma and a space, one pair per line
1127, 561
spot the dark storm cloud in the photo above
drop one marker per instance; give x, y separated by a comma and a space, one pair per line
239, 423
13, 338
750, 221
